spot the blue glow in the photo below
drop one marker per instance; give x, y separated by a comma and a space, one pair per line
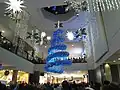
56, 48
57, 56
55, 69
53, 8
57, 59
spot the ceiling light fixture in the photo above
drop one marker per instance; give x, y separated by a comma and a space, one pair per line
119, 59
14, 6
107, 65
70, 35
114, 61
45, 46
3, 31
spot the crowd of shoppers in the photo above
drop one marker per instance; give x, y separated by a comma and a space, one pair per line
65, 85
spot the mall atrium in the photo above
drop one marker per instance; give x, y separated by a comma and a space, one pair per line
53, 41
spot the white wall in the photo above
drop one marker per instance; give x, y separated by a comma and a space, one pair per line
73, 67
98, 37
112, 27
98, 75
16, 61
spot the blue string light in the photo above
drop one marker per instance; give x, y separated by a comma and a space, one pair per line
57, 56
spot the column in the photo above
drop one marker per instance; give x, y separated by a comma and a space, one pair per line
34, 78
119, 70
14, 76
115, 73
102, 69
108, 75
91, 75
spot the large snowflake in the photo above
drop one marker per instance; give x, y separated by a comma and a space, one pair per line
14, 6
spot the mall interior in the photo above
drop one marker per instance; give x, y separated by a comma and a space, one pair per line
53, 41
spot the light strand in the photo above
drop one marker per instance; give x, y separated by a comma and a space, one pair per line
93, 5
97, 3
103, 5
116, 4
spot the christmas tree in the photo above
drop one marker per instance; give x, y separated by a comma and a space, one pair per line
57, 54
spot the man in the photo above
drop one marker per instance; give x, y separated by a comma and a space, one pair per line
2, 86
48, 86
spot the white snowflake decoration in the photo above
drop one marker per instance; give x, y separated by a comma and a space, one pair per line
70, 35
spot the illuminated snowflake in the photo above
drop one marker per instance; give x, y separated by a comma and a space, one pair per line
14, 6
70, 35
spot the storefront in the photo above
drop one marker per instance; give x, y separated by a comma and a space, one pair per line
7, 76
79, 76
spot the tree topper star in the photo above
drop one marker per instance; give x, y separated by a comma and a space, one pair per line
14, 6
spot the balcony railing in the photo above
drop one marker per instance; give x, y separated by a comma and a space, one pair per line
8, 45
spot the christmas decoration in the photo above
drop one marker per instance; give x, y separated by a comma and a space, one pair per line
103, 5
20, 26
38, 38
76, 6
6, 73
14, 7
20, 19
70, 35
78, 35
57, 56
58, 24
92, 5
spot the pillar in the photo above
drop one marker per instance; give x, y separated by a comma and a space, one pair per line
14, 76
91, 75
102, 69
34, 78
108, 75
115, 73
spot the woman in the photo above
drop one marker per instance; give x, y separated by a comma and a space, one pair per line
65, 86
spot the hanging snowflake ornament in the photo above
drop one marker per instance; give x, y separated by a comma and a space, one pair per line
70, 35
14, 7
38, 38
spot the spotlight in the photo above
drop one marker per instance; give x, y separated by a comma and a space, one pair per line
45, 46
3, 31
48, 38
107, 65
119, 59
114, 61
72, 45
4, 41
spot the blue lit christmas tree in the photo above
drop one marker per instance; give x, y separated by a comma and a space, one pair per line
57, 54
